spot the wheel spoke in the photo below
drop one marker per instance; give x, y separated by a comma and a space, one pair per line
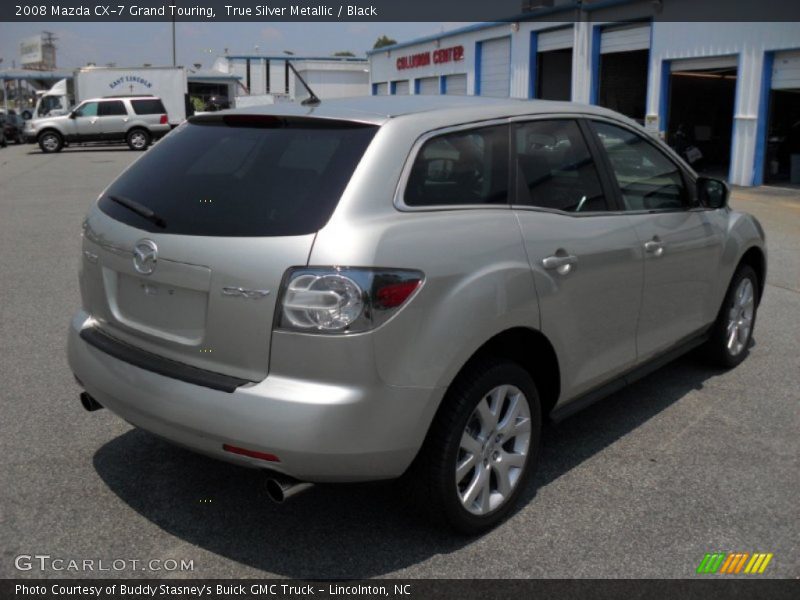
523, 425
476, 486
486, 495
734, 333
510, 418
512, 459
488, 408
464, 467
470, 444
503, 480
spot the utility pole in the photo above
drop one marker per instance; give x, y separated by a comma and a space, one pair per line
174, 60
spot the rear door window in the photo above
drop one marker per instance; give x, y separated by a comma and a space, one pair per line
148, 107
112, 108
236, 175
461, 168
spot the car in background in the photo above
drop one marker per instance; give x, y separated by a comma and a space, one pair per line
382, 287
3, 141
13, 126
135, 120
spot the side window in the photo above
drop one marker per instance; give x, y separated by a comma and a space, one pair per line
112, 108
87, 110
647, 179
555, 168
148, 107
463, 167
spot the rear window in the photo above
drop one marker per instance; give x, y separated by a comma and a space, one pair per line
148, 107
242, 176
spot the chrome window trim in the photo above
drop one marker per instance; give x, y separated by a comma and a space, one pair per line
399, 200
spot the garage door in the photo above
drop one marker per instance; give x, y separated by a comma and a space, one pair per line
429, 86
495, 66
382, 89
554, 40
400, 88
456, 85
703, 64
625, 39
786, 71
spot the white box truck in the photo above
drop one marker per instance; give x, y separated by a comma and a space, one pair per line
168, 83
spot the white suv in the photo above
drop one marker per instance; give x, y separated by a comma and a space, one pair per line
136, 120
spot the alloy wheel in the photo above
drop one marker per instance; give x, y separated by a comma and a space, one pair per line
493, 449
138, 140
740, 317
50, 142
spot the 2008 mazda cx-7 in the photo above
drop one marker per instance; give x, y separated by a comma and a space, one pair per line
383, 287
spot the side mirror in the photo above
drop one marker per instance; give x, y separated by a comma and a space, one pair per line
72, 114
712, 193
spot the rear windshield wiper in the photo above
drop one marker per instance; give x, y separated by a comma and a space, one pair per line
139, 209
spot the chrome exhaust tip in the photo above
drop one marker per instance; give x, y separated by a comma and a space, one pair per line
89, 403
281, 488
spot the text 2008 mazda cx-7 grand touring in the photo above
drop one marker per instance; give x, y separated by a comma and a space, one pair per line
380, 287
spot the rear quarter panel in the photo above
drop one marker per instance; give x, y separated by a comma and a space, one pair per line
477, 278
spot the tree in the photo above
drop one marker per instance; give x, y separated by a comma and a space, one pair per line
343, 53
384, 41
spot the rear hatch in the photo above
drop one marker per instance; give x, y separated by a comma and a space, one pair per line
185, 252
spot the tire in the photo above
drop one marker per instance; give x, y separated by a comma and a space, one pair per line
732, 332
138, 139
447, 495
50, 141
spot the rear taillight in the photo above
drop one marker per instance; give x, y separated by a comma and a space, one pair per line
343, 300
163, 120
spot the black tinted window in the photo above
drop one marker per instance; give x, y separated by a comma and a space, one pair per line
464, 167
148, 107
112, 108
268, 177
647, 179
555, 168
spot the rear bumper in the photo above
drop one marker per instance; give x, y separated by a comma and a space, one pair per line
320, 430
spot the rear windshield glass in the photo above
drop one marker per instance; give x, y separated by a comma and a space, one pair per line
148, 107
241, 176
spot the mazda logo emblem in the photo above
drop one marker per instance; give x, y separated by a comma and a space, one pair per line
145, 255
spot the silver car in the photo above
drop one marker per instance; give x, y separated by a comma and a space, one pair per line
135, 120
385, 287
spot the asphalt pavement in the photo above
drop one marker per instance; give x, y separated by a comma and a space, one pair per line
687, 461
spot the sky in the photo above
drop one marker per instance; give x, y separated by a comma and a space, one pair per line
130, 44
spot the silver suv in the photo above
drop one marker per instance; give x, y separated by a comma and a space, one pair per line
380, 287
135, 120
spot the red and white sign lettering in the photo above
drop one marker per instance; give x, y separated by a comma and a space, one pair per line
423, 59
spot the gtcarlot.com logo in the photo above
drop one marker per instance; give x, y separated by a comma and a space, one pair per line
734, 563
45, 562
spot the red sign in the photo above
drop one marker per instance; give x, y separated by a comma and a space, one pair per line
423, 59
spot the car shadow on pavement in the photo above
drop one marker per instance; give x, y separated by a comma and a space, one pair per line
345, 531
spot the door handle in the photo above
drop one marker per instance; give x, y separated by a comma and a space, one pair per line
654, 247
561, 263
